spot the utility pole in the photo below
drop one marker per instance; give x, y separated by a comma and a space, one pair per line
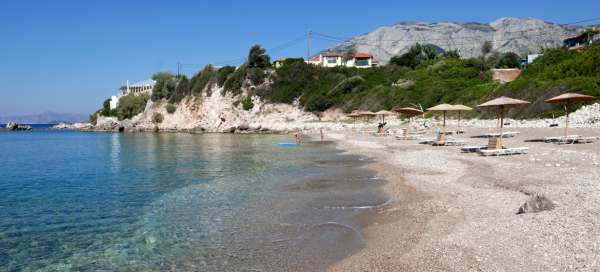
178, 69
308, 37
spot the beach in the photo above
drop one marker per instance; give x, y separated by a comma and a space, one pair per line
453, 211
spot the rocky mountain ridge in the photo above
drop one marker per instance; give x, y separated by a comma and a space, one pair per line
522, 36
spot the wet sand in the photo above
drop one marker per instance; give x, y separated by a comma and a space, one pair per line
453, 211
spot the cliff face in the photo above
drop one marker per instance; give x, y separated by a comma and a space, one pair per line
219, 113
522, 36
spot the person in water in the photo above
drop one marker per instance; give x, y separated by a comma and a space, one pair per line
380, 127
298, 137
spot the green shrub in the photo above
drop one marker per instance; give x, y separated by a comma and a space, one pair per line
258, 58
171, 108
157, 118
181, 90
164, 87
202, 79
247, 103
234, 82
131, 105
223, 74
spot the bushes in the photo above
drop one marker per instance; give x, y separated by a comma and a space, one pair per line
157, 118
557, 71
171, 108
131, 105
164, 87
106, 111
234, 82
223, 74
257, 57
182, 90
201, 79
247, 103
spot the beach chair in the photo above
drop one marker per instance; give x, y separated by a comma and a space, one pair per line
495, 148
575, 139
507, 134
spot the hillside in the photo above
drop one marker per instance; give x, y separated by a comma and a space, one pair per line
261, 97
558, 71
521, 36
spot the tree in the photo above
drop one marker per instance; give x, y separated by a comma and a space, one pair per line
131, 105
106, 110
486, 48
348, 55
509, 60
416, 55
164, 87
181, 90
257, 57
452, 54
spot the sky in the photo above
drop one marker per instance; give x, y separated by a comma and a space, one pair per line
69, 56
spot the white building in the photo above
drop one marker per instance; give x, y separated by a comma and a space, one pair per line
532, 57
137, 88
334, 59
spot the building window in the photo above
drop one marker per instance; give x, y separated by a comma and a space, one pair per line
331, 60
361, 62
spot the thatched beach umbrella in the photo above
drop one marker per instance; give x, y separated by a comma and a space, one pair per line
368, 114
461, 108
354, 115
408, 111
501, 103
569, 98
383, 113
443, 108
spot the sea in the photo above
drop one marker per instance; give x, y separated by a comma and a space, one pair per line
90, 201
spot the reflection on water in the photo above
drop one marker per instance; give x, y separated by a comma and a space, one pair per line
87, 201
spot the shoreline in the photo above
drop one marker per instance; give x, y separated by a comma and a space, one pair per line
455, 211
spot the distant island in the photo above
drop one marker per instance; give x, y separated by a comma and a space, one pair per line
44, 118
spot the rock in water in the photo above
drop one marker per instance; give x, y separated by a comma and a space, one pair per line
12, 126
536, 203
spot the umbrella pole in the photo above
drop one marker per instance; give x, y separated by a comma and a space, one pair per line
458, 122
444, 123
501, 124
567, 121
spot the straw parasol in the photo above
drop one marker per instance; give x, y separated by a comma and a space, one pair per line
569, 98
383, 113
354, 115
443, 108
408, 111
461, 108
503, 102
368, 114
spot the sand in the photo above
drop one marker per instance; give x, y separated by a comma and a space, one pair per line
453, 211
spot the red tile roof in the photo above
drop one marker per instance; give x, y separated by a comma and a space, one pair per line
333, 54
316, 58
362, 55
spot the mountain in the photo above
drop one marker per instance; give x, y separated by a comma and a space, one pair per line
522, 36
45, 118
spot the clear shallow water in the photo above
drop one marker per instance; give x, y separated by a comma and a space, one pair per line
95, 201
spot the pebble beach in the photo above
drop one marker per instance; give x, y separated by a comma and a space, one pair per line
453, 211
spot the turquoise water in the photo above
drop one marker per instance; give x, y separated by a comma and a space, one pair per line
74, 201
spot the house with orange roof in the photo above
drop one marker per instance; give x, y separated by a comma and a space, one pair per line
336, 58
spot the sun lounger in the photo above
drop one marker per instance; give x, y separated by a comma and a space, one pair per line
571, 139
507, 134
494, 148
407, 137
475, 148
504, 151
